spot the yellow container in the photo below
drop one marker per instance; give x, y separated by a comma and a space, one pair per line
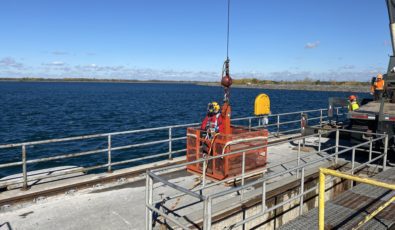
262, 105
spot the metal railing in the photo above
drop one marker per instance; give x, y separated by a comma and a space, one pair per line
173, 137
202, 195
321, 206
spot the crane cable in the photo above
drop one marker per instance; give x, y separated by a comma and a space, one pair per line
227, 35
227, 40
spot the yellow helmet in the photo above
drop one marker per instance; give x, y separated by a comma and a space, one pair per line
213, 107
379, 76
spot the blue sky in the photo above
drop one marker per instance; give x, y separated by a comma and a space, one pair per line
186, 39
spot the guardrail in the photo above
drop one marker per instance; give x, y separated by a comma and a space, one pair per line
321, 206
173, 138
207, 199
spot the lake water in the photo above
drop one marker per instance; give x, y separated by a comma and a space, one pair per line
35, 110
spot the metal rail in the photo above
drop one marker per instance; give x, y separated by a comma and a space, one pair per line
208, 199
321, 207
107, 153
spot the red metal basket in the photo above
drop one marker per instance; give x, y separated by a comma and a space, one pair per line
231, 165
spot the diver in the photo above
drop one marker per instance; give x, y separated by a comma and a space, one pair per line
211, 126
212, 123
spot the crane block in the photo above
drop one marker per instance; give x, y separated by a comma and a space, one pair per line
262, 105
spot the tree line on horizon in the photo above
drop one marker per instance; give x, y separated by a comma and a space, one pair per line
242, 81
305, 81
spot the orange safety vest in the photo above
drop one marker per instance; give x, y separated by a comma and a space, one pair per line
378, 85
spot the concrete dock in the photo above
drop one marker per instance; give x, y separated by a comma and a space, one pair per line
110, 201
118, 205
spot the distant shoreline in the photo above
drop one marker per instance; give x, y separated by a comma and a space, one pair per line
279, 86
305, 87
88, 80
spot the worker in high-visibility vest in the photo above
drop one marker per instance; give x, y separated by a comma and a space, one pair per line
352, 103
377, 87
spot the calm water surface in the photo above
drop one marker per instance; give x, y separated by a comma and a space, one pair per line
36, 111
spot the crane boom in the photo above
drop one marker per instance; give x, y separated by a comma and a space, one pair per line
391, 15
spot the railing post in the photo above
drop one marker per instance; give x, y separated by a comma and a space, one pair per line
303, 126
385, 152
353, 161
148, 200
301, 192
321, 202
263, 196
352, 166
24, 168
109, 153
249, 124
204, 173
298, 160
319, 141
337, 146
278, 125
320, 117
337, 111
370, 148
170, 144
242, 174
207, 213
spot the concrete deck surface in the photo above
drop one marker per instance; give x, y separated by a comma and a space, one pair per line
120, 205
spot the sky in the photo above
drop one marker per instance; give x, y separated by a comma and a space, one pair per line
186, 39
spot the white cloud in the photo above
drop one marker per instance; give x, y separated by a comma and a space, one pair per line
312, 45
55, 63
59, 69
59, 53
10, 62
347, 67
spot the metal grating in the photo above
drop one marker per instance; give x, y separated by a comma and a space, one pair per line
349, 208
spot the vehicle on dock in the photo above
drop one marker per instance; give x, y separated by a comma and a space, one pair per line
375, 115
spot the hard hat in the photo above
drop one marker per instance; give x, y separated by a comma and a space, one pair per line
352, 98
213, 107
379, 76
